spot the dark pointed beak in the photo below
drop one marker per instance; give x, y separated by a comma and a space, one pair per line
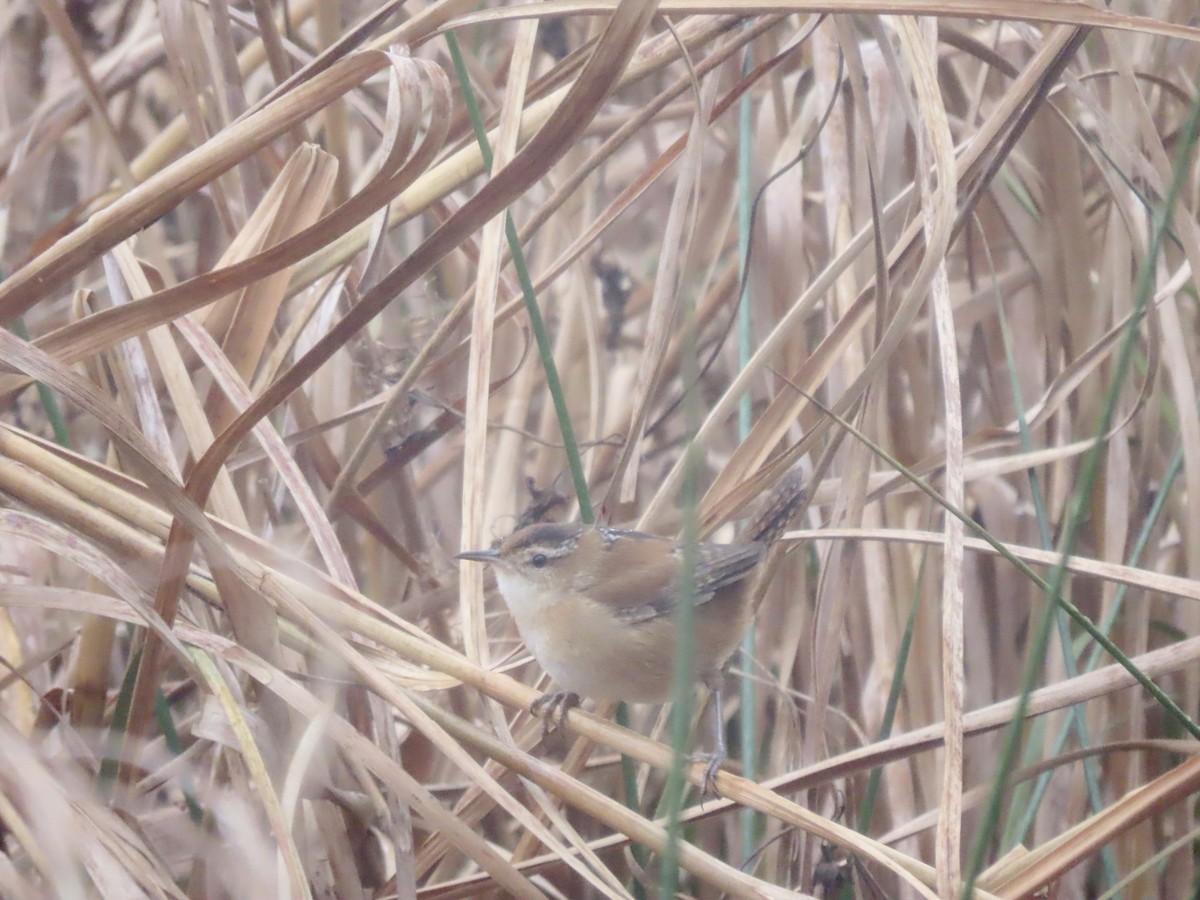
483, 556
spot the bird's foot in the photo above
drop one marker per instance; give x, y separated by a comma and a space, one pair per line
553, 707
712, 765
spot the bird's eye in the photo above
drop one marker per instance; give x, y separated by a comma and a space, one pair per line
538, 560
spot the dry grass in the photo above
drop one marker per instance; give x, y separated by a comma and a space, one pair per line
270, 368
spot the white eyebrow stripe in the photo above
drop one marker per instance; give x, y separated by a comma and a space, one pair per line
557, 550
611, 535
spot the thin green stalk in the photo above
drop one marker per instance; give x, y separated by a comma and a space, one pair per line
683, 687
683, 665
553, 383
537, 323
629, 782
752, 823
110, 762
867, 808
166, 725
1139, 547
49, 401
1157, 860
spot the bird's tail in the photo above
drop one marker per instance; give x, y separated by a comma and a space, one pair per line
783, 504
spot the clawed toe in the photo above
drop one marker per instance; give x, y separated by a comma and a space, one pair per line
553, 707
712, 765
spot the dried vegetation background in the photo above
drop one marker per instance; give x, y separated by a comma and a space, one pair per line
269, 366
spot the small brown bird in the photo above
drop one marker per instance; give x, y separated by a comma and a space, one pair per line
594, 605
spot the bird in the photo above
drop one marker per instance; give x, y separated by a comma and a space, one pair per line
595, 606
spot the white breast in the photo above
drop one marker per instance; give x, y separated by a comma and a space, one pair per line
566, 654
523, 597
528, 603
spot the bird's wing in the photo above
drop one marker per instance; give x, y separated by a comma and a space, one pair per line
651, 586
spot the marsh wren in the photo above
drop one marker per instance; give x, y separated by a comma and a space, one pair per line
594, 605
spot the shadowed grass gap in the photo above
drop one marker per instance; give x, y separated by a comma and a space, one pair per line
1017, 828
1101, 639
1169, 706
1143, 540
1025, 825
162, 710
1027, 798
1078, 506
752, 824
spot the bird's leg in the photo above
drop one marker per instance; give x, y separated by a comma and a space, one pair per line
713, 760
553, 707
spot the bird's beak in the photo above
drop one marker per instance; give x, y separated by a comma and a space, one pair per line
483, 556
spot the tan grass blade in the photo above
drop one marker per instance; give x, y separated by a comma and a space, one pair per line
1048, 11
